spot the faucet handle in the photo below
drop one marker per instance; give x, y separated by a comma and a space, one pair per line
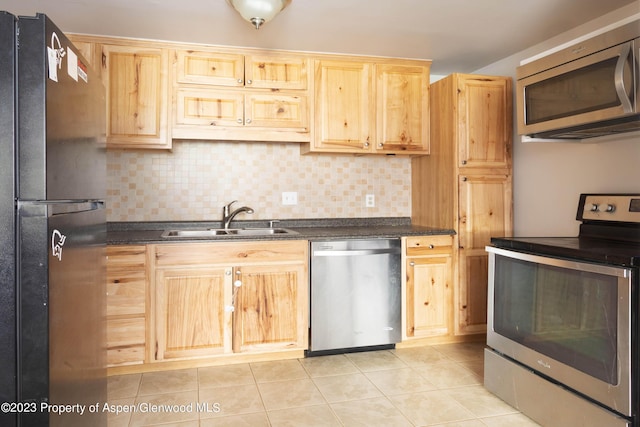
227, 207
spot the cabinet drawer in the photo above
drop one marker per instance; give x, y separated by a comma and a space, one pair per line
429, 245
126, 280
125, 341
230, 253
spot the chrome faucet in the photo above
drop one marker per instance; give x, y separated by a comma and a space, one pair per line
228, 217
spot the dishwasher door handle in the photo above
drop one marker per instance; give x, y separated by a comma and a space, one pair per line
357, 252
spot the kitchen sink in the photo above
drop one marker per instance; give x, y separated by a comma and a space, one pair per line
213, 233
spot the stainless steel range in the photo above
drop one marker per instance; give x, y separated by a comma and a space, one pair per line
563, 319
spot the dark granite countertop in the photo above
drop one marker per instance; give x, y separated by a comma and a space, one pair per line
131, 233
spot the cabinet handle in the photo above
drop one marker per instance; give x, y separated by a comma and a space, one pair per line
248, 121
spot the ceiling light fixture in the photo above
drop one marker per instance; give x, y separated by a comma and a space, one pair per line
258, 11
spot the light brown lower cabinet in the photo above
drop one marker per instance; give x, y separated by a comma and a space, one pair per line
428, 292
228, 297
126, 304
190, 318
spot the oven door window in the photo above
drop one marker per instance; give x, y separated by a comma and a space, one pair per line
568, 315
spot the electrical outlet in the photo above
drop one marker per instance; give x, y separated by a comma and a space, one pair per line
370, 201
289, 198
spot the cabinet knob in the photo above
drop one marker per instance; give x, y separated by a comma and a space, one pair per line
464, 162
431, 246
380, 144
238, 272
240, 81
249, 81
237, 283
248, 121
464, 178
412, 263
366, 144
239, 120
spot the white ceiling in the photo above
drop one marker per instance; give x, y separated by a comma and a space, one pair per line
458, 35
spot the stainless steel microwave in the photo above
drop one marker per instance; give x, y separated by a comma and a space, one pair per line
587, 90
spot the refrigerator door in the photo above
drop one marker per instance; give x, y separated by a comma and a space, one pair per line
61, 118
7, 216
62, 277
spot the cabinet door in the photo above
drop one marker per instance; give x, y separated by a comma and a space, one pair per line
485, 211
428, 296
191, 319
344, 108
137, 96
209, 68
286, 111
402, 109
209, 108
484, 121
270, 311
276, 72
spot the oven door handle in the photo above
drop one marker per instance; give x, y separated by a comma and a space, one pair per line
561, 262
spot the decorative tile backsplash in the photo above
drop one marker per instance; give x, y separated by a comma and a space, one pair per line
195, 179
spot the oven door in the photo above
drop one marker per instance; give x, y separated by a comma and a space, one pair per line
567, 320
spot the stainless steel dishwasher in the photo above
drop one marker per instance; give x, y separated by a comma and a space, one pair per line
355, 294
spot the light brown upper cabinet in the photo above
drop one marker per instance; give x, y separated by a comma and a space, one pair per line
466, 182
371, 107
136, 81
234, 96
135, 74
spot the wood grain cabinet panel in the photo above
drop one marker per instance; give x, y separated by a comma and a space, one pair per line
466, 182
191, 320
127, 292
371, 107
220, 298
428, 300
402, 109
344, 117
270, 308
136, 81
236, 96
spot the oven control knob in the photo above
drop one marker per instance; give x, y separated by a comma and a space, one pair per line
610, 208
594, 207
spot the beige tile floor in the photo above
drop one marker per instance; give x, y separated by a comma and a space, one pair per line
423, 386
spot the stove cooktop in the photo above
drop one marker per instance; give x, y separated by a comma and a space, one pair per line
609, 233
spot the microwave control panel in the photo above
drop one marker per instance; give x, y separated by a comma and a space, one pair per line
609, 207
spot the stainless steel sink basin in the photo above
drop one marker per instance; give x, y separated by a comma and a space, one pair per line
213, 233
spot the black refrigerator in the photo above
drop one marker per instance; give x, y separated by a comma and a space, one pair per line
52, 228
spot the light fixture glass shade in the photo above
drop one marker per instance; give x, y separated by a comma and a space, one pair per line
258, 11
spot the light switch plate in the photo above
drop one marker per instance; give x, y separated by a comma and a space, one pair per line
289, 198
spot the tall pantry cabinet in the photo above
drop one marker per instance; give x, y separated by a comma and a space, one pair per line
466, 182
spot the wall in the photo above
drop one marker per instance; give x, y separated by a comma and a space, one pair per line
549, 177
195, 179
